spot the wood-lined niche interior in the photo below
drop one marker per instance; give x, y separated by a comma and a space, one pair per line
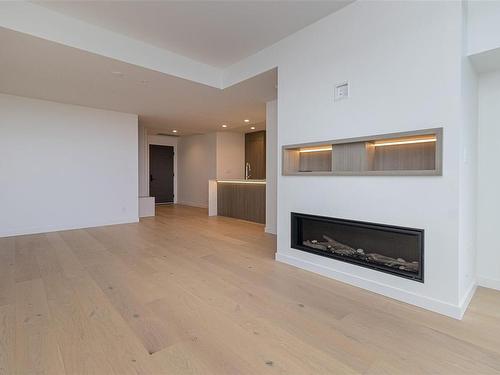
409, 153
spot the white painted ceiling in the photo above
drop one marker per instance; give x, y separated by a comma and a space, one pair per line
217, 33
38, 68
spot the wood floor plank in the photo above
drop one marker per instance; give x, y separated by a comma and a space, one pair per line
37, 349
127, 300
443, 352
80, 352
180, 359
94, 339
259, 310
120, 346
71, 266
47, 259
213, 330
7, 267
7, 339
256, 317
26, 266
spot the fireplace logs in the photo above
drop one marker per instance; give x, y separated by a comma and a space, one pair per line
335, 247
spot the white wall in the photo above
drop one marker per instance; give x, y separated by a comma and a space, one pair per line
271, 166
197, 163
415, 88
488, 257
483, 26
483, 34
467, 172
230, 155
405, 71
218, 155
65, 166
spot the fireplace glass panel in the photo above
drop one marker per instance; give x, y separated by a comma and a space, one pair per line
392, 249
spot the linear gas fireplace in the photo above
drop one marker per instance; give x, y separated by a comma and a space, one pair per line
391, 249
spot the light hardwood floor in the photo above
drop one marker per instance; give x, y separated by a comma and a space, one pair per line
183, 293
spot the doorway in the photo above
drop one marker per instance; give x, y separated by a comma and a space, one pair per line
161, 173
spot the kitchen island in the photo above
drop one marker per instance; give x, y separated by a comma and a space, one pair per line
240, 199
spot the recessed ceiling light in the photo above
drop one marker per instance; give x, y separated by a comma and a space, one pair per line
174, 131
246, 120
117, 73
144, 81
224, 125
252, 127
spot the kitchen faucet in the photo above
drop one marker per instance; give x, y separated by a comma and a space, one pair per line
247, 170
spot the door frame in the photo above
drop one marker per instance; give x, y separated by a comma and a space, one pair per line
162, 140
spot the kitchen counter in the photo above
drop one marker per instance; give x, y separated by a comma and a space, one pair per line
241, 181
238, 198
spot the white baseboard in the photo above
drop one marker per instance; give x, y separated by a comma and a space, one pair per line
270, 230
194, 204
464, 303
445, 308
488, 283
57, 228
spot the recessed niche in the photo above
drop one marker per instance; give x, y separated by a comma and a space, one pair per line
407, 153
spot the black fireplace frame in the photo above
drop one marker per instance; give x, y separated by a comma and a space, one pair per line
296, 244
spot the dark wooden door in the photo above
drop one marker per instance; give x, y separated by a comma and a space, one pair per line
255, 154
161, 173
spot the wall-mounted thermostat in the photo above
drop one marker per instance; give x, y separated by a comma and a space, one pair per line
342, 91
